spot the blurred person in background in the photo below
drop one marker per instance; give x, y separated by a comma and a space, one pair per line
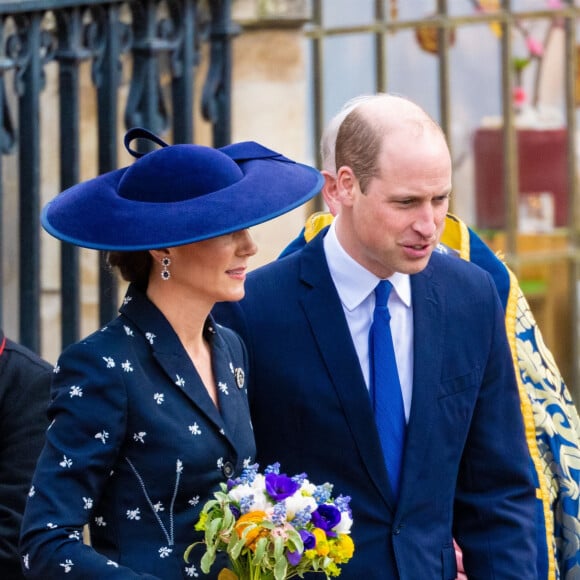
24, 393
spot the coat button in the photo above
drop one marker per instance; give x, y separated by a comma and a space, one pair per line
228, 469
397, 531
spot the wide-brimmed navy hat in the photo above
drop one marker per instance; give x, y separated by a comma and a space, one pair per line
179, 194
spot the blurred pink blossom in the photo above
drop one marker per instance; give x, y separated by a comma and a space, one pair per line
519, 95
535, 47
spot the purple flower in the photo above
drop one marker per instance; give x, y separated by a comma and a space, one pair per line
279, 487
309, 542
326, 517
293, 557
308, 539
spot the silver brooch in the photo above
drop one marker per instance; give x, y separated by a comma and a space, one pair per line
240, 377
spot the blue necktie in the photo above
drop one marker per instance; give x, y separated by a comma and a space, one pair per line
385, 388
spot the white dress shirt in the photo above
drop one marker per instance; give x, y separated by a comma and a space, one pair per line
355, 286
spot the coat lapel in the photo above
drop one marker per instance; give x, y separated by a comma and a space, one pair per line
184, 376
428, 326
324, 312
168, 351
232, 394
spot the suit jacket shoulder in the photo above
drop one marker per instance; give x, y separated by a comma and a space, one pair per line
24, 394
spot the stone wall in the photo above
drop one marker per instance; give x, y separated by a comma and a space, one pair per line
270, 97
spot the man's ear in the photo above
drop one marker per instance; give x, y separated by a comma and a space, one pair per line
329, 192
346, 184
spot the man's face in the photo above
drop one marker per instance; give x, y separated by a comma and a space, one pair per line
396, 224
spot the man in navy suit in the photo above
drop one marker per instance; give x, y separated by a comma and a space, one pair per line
306, 319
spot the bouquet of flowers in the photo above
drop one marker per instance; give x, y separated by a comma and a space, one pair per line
275, 527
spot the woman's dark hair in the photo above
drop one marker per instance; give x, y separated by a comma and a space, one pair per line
133, 266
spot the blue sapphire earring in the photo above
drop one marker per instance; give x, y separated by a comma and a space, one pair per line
165, 273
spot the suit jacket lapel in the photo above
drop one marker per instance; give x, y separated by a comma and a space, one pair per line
428, 303
324, 312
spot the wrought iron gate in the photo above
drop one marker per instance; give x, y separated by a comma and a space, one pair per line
160, 42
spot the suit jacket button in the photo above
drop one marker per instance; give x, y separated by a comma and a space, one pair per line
397, 531
228, 469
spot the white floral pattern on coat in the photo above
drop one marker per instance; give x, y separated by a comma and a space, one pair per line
129, 447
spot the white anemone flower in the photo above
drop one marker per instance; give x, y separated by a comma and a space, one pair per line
307, 488
343, 527
298, 502
259, 502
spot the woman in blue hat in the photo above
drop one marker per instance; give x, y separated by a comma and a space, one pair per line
150, 413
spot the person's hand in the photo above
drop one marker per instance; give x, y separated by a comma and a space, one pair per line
459, 557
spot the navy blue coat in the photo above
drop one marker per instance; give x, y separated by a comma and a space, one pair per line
134, 448
24, 391
466, 471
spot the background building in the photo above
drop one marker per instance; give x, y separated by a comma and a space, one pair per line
498, 76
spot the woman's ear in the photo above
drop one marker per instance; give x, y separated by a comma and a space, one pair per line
159, 254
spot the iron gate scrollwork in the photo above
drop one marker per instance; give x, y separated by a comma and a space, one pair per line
155, 44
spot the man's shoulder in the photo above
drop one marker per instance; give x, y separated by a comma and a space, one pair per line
17, 356
449, 262
458, 275
22, 370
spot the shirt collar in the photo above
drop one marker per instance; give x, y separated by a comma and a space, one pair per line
353, 282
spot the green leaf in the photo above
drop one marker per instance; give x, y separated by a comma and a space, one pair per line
222, 497
235, 546
207, 560
520, 63
188, 550
210, 505
212, 530
229, 519
295, 542
280, 568
278, 548
260, 554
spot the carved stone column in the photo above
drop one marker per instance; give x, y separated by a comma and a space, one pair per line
270, 96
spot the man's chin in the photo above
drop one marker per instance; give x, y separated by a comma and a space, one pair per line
416, 266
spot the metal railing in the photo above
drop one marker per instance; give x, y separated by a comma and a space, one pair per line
154, 40
384, 20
